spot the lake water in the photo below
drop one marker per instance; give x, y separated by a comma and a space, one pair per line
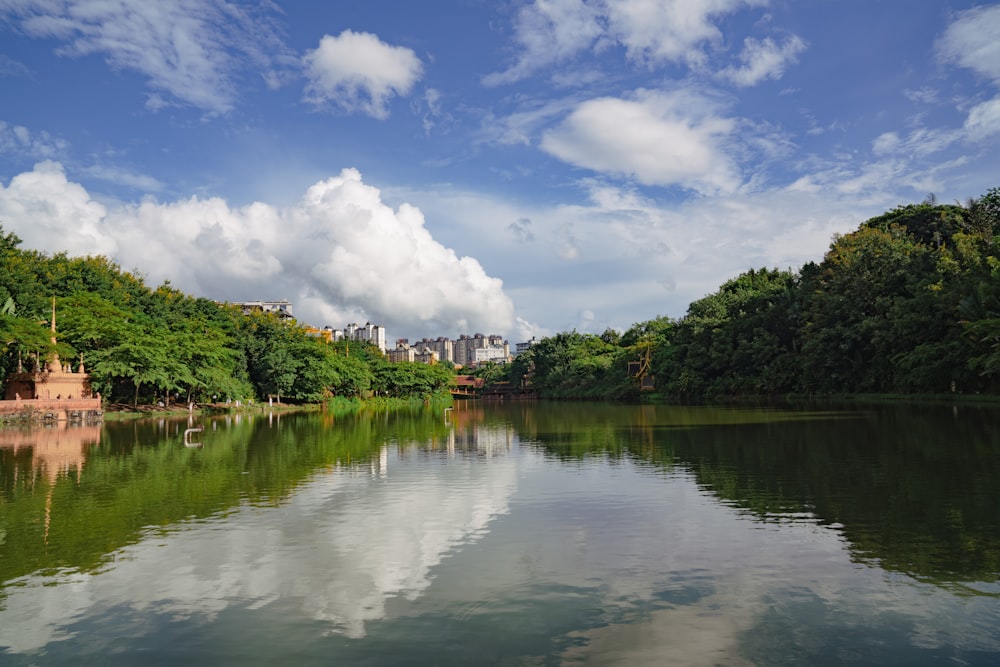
527, 534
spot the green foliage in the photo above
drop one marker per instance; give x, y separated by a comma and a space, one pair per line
907, 303
491, 373
740, 339
143, 345
576, 365
27, 336
410, 379
927, 223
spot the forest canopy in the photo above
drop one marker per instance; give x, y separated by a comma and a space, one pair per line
908, 303
144, 345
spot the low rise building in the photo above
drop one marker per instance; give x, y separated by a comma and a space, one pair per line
525, 346
494, 353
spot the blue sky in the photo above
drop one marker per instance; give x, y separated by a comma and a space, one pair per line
520, 168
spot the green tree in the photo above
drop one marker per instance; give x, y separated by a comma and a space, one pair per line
139, 358
740, 340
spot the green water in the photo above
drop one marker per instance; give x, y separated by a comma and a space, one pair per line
541, 534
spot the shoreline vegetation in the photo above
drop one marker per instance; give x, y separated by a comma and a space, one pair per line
906, 307
335, 405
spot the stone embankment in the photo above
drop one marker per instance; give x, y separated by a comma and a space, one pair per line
42, 409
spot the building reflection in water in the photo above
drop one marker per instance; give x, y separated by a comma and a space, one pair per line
469, 433
56, 450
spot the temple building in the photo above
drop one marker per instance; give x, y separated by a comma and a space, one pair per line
50, 390
51, 381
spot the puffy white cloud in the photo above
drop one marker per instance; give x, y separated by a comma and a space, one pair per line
971, 41
339, 253
359, 72
657, 138
189, 49
49, 213
763, 59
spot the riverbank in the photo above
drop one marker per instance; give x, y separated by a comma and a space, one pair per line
50, 410
124, 411
336, 404
833, 399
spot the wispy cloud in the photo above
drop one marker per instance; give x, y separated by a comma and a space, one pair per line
652, 32
924, 95
20, 141
358, 72
919, 143
192, 50
763, 59
548, 32
984, 120
521, 230
120, 176
667, 31
971, 41
13, 68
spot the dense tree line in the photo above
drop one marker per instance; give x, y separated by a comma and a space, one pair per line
142, 345
907, 303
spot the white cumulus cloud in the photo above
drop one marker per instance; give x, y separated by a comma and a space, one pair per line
49, 213
658, 138
359, 72
338, 254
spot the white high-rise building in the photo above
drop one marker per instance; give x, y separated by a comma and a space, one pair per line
372, 333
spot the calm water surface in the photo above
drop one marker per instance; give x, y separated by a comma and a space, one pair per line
514, 535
